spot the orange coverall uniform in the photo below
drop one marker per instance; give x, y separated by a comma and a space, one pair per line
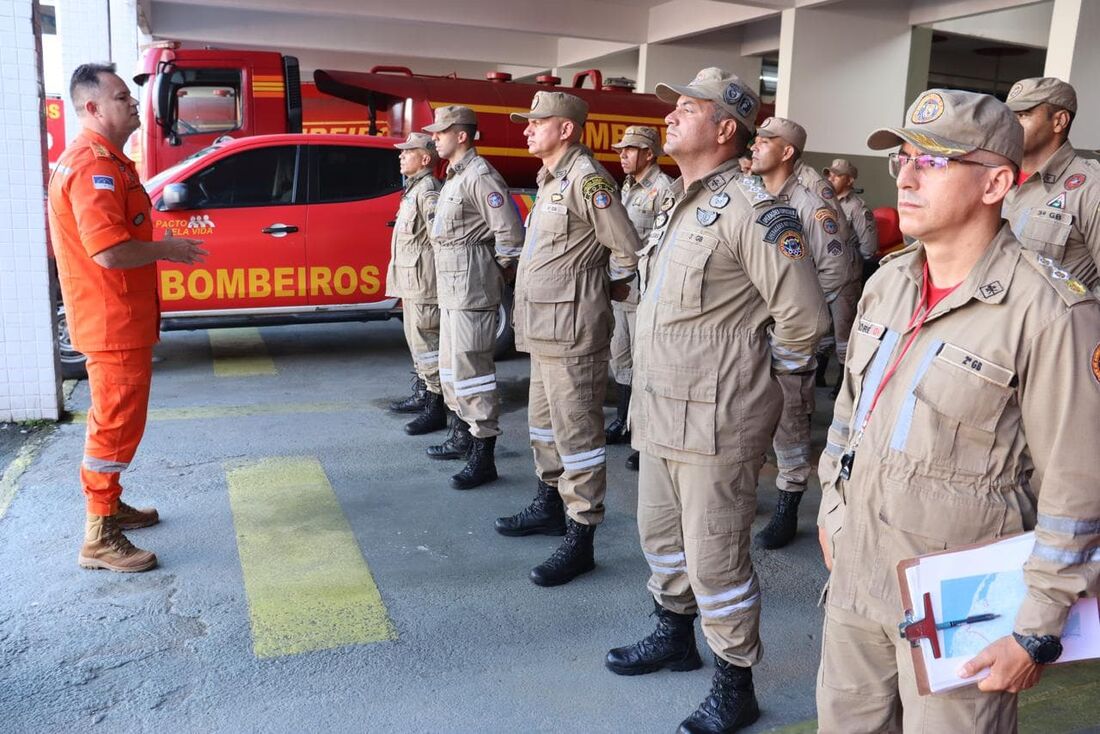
96, 202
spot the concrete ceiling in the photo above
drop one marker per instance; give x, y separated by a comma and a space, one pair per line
473, 36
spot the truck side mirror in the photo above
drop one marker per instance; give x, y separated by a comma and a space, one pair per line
168, 80
176, 196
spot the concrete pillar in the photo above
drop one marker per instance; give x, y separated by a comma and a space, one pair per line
30, 387
678, 62
97, 31
1072, 55
844, 70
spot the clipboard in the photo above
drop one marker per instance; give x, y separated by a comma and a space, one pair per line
919, 621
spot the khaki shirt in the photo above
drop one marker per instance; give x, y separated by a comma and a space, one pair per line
836, 261
862, 221
579, 239
998, 396
642, 199
411, 275
731, 298
812, 179
475, 225
1057, 213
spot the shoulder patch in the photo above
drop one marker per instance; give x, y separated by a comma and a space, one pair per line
431, 199
1069, 288
1095, 362
783, 228
107, 183
594, 184
494, 199
827, 218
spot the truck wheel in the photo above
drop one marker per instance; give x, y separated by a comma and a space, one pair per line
506, 334
73, 363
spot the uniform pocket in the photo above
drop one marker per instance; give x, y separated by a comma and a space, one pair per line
408, 267
959, 403
685, 269
1047, 231
452, 216
682, 408
551, 308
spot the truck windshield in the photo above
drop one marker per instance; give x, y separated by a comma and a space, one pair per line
168, 173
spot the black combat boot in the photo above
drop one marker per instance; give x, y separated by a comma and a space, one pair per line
545, 515
415, 402
784, 523
671, 645
730, 706
616, 431
632, 461
456, 445
822, 367
481, 466
572, 558
432, 417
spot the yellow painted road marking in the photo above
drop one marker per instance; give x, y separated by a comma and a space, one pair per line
240, 353
208, 412
9, 480
307, 583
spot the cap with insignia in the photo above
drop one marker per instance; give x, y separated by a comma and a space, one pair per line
554, 104
952, 122
640, 136
721, 87
417, 141
781, 127
451, 115
1027, 93
842, 167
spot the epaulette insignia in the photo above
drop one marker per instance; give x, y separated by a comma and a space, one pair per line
100, 151
1069, 288
753, 189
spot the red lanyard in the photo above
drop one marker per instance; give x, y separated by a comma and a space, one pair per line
925, 304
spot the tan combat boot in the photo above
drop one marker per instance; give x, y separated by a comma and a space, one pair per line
132, 518
106, 547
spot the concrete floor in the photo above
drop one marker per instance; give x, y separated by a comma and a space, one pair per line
477, 647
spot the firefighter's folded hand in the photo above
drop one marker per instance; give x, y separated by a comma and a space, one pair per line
183, 250
620, 290
826, 551
1010, 667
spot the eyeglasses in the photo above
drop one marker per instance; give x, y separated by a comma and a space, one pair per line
897, 161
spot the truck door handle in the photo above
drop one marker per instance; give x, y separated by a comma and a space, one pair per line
392, 223
279, 229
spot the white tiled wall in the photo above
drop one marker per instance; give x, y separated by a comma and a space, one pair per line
85, 33
29, 384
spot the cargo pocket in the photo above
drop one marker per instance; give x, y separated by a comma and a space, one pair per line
452, 219
451, 266
864, 344
1047, 231
408, 268
958, 403
553, 225
684, 269
551, 310
682, 408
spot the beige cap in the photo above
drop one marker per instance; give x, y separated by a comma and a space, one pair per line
781, 127
640, 136
952, 122
842, 167
721, 87
416, 141
554, 104
1027, 93
451, 115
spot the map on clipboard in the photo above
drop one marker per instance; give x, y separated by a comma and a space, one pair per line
959, 601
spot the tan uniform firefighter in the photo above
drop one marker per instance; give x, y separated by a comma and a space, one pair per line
778, 146
642, 192
968, 413
476, 233
842, 176
1055, 209
730, 298
411, 277
581, 251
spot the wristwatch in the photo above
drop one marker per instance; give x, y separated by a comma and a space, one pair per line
1044, 649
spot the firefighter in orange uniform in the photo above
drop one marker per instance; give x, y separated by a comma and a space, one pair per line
106, 261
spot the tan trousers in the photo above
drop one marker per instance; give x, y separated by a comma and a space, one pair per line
865, 683
565, 416
622, 341
467, 372
421, 322
842, 309
695, 524
792, 435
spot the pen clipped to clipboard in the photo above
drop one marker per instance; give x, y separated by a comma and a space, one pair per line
957, 602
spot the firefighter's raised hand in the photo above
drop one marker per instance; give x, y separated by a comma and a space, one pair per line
183, 250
